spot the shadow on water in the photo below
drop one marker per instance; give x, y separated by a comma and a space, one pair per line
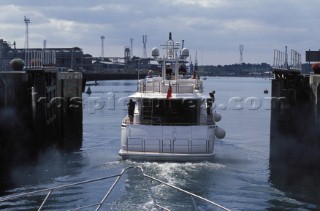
47, 165
293, 164
53, 167
294, 169
16, 145
296, 183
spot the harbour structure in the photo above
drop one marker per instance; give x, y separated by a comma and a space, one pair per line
144, 41
61, 58
95, 68
26, 41
39, 108
295, 120
102, 45
241, 53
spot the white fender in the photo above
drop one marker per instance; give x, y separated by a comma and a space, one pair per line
217, 117
220, 132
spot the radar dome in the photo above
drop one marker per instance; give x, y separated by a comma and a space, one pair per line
155, 52
185, 52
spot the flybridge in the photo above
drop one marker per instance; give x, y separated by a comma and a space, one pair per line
157, 85
172, 64
173, 73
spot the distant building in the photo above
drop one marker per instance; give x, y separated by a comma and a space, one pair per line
63, 58
5, 58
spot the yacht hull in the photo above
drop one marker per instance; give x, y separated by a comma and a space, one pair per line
167, 143
149, 156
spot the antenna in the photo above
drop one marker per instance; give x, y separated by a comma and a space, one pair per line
196, 62
26, 41
144, 41
131, 49
241, 53
102, 46
182, 46
170, 47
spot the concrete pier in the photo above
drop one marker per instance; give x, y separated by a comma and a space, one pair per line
39, 108
294, 135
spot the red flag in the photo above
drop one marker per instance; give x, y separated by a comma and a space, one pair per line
169, 93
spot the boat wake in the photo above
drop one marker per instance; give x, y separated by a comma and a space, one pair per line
181, 174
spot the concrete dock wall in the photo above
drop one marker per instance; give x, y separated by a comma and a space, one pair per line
16, 136
39, 108
294, 136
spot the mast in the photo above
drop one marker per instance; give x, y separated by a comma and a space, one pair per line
170, 47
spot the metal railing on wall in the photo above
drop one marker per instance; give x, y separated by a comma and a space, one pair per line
40, 58
281, 60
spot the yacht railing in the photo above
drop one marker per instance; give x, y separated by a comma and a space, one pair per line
173, 146
150, 85
156, 122
117, 177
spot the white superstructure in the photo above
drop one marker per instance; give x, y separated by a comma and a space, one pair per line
169, 117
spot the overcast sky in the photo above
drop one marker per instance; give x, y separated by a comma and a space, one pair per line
213, 28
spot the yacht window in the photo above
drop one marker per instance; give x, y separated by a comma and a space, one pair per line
170, 112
